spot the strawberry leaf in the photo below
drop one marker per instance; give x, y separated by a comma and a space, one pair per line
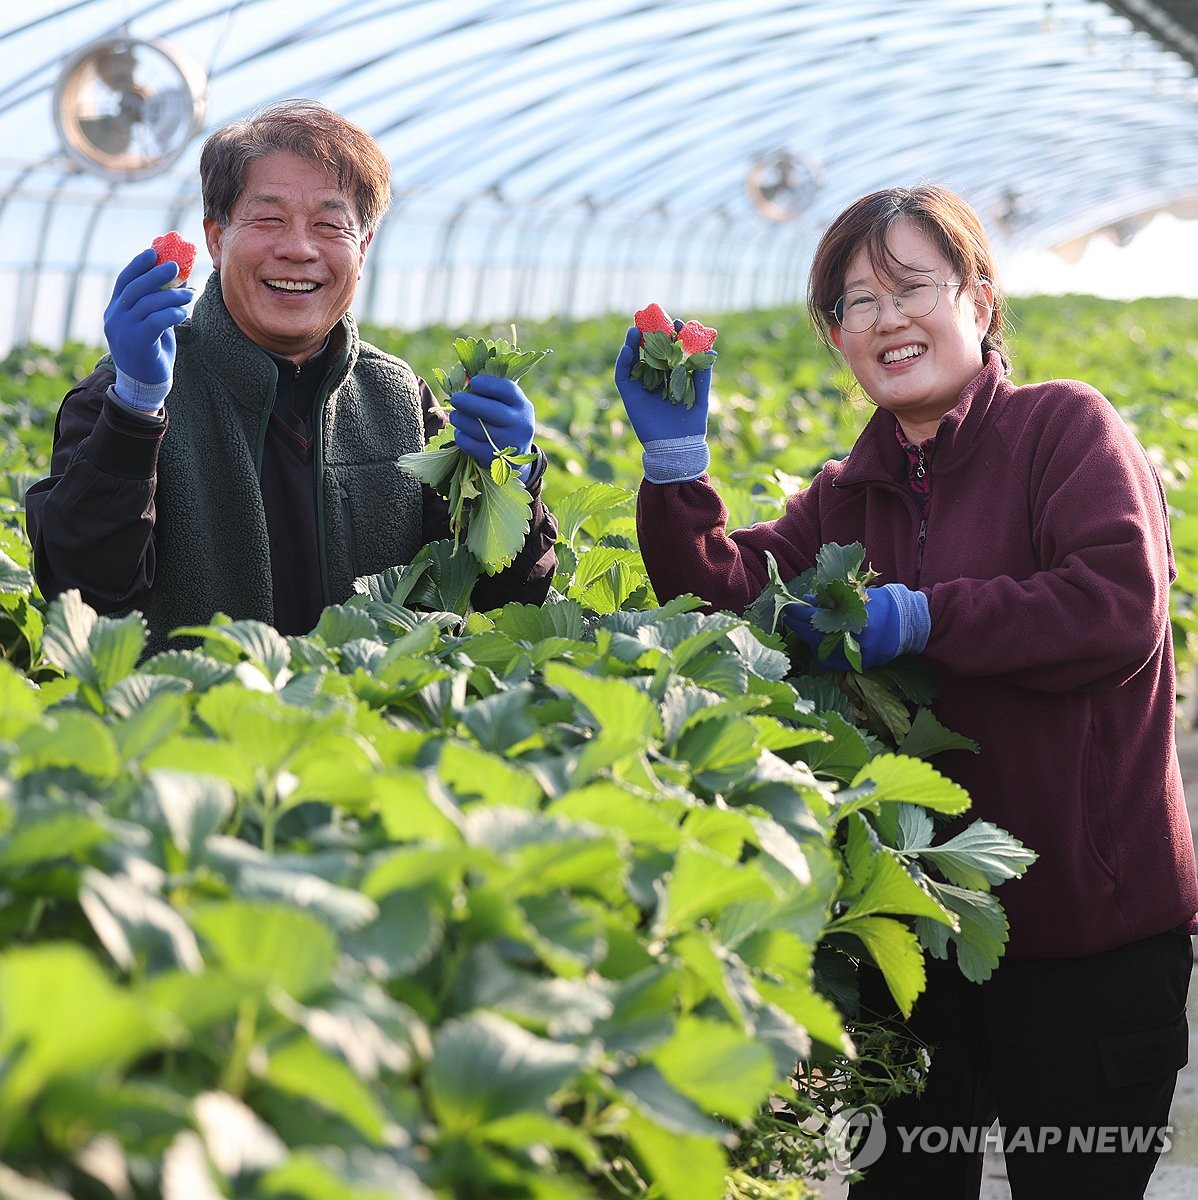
499, 523
434, 467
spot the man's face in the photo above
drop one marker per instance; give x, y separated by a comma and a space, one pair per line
290, 257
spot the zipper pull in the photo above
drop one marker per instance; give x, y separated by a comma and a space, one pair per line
920, 467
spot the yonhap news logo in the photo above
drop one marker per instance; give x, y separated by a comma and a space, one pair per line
856, 1138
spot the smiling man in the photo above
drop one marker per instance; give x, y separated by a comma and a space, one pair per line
244, 460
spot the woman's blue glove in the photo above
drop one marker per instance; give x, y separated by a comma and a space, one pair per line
504, 409
139, 324
673, 437
897, 621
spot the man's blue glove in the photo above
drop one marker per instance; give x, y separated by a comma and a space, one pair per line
139, 324
673, 437
505, 411
897, 622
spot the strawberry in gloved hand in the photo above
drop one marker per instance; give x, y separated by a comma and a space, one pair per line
174, 247
140, 320
663, 375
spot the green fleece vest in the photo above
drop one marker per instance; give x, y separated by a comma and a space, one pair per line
211, 545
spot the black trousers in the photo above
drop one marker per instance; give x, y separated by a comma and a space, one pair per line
1076, 1057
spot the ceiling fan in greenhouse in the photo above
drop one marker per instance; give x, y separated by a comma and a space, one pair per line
125, 109
781, 185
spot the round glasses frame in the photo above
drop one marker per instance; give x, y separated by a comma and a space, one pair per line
858, 310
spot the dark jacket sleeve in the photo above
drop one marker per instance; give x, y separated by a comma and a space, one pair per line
91, 520
528, 579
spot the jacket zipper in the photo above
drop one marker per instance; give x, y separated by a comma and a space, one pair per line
921, 469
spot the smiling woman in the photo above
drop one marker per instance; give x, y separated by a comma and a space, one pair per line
1044, 617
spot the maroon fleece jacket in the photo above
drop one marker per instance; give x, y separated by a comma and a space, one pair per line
1046, 559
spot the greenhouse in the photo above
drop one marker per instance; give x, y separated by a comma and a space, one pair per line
521, 706
570, 157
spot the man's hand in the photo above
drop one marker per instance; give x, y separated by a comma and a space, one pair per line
897, 622
673, 436
139, 324
503, 409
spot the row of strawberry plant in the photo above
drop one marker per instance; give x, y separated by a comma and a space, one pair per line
542, 902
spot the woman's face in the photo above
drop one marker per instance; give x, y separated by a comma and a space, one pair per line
915, 367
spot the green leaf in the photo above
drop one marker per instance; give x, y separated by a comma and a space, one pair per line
136, 927
890, 889
721, 1069
470, 772
682, 1167
62, 1017
342, 908
979, 857
499, 523
408, 930
485, 1067
260, 723
895, 950
97, 650
340, 623
39, 837
703, 883
927, 736
194, 806
347, 1174
843, 755
886, 709
69, 740
530, 1133
835, 563
625, 718
575, 508
268, 946
609, 804
415, 807
896, 778
163, 713
13, 577
233, 641
301, 1067
19, 706
434, 467
982, 936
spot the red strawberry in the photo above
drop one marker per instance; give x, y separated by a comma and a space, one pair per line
174, 247
696, 338
654, 319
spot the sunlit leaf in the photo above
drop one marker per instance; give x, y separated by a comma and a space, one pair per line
485, 1067
269, 945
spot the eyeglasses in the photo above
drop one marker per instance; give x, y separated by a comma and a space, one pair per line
915, 296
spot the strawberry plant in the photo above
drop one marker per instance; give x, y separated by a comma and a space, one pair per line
491, 506
546, 901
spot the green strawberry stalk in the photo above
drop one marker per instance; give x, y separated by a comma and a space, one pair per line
670, 357
489, 508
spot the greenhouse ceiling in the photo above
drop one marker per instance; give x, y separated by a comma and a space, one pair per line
562, 156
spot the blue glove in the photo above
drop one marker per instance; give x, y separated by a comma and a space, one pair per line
505, 411
673, 437
897, 622
139, 324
